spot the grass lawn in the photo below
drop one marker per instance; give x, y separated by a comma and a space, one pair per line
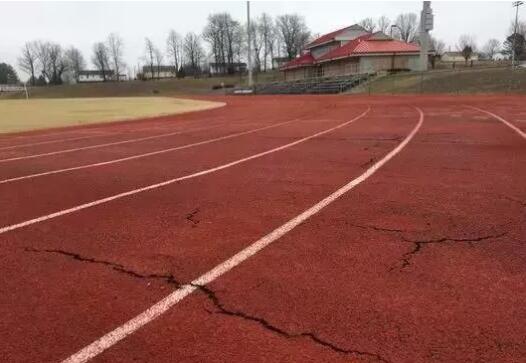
153, 88
462, 81
32, 114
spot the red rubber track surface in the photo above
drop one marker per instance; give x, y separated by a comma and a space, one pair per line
423, 262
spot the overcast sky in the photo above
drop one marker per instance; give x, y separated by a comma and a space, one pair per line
83, 23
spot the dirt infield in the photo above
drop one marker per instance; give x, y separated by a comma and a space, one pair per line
301, 229
23, 115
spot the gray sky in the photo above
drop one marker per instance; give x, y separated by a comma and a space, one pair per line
83, 23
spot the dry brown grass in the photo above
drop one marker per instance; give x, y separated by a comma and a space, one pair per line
23, 115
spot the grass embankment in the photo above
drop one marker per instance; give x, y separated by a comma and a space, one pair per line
465, 81
32, 114
164, 87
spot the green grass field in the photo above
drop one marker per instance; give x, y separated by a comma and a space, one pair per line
23, 115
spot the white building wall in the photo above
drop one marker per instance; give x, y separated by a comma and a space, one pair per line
458, 58
162, 74
90, 78
385, 62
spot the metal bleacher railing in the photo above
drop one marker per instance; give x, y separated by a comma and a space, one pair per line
336, 84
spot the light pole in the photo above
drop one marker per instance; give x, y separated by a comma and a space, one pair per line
250, 81
516, 4
426, 24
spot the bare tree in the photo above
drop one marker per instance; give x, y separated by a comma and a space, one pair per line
265, 28
239, 43
52, 62
521, 28
42, 49
438, 47
150, 55
407, 26
75, 61
213, 34
28, 60
158, 55
173, 49
100, 59
220, 33
467, 46
257, 44
383, 23
115, 46
193, 52
293, 32
368, 24
491, 48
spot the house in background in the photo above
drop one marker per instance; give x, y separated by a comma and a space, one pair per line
88, 76
352, 50
458, 57
226, 68
159, 72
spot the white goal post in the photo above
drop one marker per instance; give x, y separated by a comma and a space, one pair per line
14, 88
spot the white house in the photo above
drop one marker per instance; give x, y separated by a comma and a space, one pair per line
227, 68
159, 72
458, 57
97, 76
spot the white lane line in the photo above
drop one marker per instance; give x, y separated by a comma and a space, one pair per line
55, 141
505, 122
105, 144
171, 181
162, 306
138, 156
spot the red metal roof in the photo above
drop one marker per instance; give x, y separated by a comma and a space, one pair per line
302, 61
363, 45
385, 46
372, 43
326, 38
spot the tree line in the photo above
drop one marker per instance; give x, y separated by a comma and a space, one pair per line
49, 63
283, 36
226, 39
513, 44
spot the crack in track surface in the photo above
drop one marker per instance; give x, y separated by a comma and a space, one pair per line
267, 325
212, 297
168, 278
418, 245
379, 229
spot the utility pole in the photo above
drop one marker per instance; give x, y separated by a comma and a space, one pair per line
426, 24
250, 81
516, 4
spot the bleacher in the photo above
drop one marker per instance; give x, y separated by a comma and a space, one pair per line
313, 85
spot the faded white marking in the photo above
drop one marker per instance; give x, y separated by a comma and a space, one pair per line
152, 153
169, 301
505, 122
54, 141
104, 145
171, 181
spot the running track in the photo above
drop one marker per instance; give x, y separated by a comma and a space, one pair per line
290, 229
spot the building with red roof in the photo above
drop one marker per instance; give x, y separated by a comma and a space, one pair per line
352, 50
